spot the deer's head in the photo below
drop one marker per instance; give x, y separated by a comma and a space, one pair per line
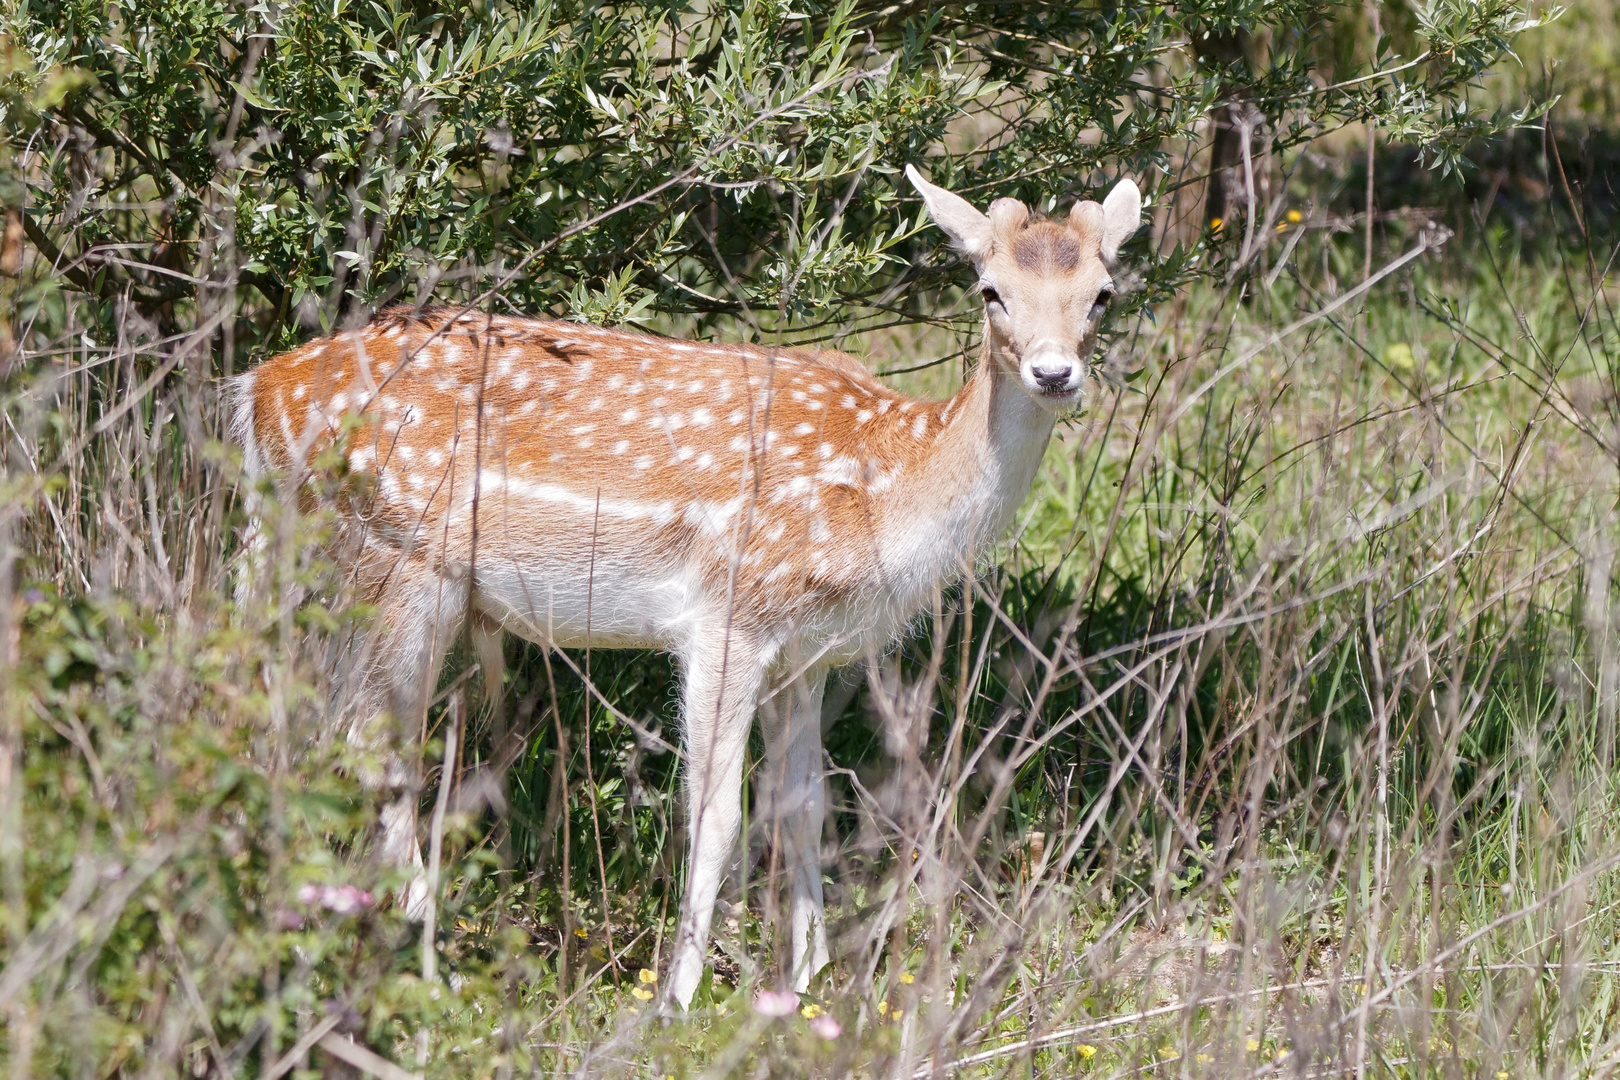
1045, 284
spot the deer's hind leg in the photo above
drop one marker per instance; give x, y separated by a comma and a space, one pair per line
420, 612
793, 793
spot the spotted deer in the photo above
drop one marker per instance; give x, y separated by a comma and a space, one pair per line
763, 514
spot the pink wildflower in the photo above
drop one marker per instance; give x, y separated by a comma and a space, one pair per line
342, 899
776, 1003
826, 1027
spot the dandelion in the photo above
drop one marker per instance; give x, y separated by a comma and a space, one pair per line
826, 1027
647, 976
1087, 1051
775, 1003
907, 977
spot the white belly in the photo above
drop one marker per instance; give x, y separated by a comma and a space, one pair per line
617, 607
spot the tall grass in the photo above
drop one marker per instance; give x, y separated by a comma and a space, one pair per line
1279, 738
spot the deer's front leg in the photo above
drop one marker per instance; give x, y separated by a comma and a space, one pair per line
795, 802
720, 689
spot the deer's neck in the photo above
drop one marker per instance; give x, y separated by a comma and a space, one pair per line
965, 493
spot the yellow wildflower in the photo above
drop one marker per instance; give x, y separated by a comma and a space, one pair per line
1204, 1059
907, 977
883, 1008
1216, 223
1252, 1045
1295, 216
581, 932
810, 1012
643, 995
1087, 1051
648, 976
897, 1014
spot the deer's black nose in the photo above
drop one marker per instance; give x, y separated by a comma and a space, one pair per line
1052, 378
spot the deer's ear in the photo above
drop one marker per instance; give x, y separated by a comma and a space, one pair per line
1122, 214
968, 229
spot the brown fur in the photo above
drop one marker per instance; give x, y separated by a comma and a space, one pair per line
628, 415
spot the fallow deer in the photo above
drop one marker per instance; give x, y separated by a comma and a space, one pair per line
762, 514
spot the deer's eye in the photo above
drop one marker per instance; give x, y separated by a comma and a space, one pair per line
990, 295
1100, 305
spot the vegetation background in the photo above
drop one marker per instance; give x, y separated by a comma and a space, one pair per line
1279, 738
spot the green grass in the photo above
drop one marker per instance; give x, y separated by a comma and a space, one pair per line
1280, 740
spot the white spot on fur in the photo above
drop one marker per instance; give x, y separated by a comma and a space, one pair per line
841, 470
713, 518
